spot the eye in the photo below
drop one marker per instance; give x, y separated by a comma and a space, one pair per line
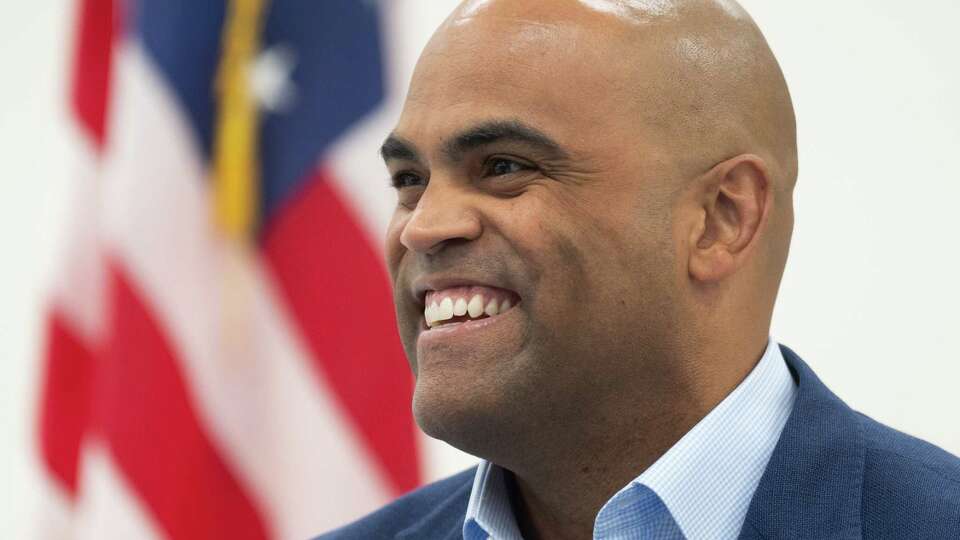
405, 179
499, 166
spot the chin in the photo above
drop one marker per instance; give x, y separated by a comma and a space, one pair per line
463, 417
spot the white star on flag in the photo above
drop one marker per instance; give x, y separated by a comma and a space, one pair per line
270, 78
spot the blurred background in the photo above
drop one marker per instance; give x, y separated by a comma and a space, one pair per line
176, 354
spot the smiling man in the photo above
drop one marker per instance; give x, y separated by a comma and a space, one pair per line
594, 213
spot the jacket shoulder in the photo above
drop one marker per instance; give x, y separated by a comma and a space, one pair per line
911, 488
449, 495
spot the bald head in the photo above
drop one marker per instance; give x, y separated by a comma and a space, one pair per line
693, 82
699, 73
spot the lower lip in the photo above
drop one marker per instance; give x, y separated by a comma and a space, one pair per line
457, 330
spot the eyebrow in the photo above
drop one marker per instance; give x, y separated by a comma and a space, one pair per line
396, 147
500, 131
489, 132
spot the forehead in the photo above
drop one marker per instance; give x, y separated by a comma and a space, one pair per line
559, 75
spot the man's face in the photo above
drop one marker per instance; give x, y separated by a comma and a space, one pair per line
524, 176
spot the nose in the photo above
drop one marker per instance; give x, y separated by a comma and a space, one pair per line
442, 216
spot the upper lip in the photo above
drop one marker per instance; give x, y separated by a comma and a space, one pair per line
425, 283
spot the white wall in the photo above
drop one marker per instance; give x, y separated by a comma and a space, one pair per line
34, 188
871, 292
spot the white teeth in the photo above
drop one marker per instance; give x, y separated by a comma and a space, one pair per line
445, 312
431, 314
449, 308
460, 307
475, 307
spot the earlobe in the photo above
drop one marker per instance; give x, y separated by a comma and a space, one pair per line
735, 199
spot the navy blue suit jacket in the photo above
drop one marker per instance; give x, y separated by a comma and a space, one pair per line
835, 473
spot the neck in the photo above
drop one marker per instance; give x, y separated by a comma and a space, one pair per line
559, 489
560, 497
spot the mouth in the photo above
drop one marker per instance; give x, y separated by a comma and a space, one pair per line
457, 305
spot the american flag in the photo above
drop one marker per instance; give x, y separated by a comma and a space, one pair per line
221, 357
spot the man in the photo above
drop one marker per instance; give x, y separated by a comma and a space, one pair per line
594, 213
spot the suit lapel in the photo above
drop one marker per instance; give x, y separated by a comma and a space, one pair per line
445, 522
812, 485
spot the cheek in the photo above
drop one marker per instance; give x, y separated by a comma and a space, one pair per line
546, 234
393, 248
595, 260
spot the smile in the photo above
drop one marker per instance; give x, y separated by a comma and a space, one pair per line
462, 304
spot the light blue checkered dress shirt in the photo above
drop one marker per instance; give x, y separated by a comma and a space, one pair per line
700, 489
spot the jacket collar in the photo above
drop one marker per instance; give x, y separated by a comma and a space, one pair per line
812, 485
446, 520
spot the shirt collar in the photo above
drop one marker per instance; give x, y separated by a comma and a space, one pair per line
488, 512
706, 480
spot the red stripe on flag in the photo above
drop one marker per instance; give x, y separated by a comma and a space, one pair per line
144, 411
335, 284
91, 66
65, 400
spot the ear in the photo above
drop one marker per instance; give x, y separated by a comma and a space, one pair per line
736, 199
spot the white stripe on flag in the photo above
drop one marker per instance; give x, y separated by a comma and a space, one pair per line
78, 289
360, 176
107, 507
55, 513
